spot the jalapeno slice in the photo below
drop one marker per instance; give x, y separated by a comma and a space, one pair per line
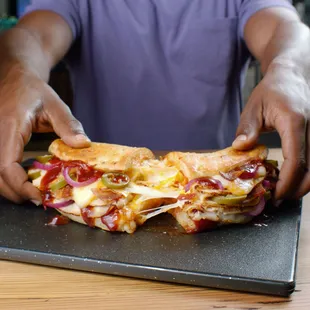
229, 200
115, 180
34, 175
44, 159
58, 185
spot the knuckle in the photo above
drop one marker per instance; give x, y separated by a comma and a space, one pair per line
75, 125
245, 126
298, 120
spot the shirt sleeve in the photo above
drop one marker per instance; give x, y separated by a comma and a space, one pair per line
67, 9
250, 7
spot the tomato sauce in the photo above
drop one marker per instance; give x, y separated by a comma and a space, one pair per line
58, 220
85, 212
119, 178
208, 182
50, 176
245, 172
203, 225
47, 197
187, 196
82, 171
111, 219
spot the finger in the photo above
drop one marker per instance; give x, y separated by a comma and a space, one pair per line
66, 126
15, 177
8, 193
305, 184
11, 145
250, 126
292, 130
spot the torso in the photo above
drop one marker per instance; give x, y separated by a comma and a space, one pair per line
162, 74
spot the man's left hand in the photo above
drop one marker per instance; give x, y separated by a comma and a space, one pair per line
281, 102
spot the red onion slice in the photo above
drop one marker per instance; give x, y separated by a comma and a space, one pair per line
246, 175
266, 183
46, 167
212, 183
110, 220
59, 205
245, 172
269, 184
258, 209
257, 191
75, 183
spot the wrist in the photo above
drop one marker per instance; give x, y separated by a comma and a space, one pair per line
285, 65
22, 53
15, 71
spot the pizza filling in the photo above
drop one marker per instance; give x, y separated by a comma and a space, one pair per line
118, 201
112, 200
232, 197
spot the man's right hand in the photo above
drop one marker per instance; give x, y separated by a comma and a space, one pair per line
28, 105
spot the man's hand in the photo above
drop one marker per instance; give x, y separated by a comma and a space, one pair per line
281, 42
29, 105
281, 102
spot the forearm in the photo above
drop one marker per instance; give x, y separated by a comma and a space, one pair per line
35, 45
21, 51
289, 47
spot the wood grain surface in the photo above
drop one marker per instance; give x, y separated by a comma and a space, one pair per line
25, 286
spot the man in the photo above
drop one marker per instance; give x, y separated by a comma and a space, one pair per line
166, 74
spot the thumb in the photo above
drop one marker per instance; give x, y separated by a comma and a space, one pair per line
248, 130
66, 126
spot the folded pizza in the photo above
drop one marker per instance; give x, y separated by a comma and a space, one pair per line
118, 188
108, 186
222, 187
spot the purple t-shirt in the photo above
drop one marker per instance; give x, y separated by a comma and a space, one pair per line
165, 74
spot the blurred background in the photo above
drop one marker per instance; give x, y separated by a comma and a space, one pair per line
11, 10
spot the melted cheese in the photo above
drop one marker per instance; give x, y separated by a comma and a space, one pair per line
162, 209
83, 196
151, 192
71, 209
157, 175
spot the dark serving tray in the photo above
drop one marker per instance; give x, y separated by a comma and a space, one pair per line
258, 257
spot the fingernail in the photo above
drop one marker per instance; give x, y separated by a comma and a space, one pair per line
36, 202
81, 137
241, 138
278, 202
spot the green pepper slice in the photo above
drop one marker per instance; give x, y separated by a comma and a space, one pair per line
267, 195
115, 180
229, 200
273, 162
58, 185
34, 175
251, 202
44, 159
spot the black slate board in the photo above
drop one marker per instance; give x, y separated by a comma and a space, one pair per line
257, 257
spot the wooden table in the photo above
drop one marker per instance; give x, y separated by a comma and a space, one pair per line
25, 286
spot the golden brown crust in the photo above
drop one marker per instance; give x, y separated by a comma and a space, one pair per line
103, 156
194, 165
